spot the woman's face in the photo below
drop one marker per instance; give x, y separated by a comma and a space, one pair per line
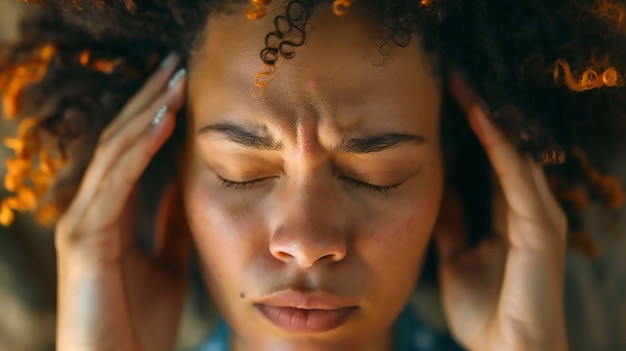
311, 206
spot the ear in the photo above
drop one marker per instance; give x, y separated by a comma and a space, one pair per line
172, 243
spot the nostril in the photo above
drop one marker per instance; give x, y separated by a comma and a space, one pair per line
282, 255
307, 247
330, 257
307, 257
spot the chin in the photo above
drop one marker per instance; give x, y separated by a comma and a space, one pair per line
304, 343
341, 339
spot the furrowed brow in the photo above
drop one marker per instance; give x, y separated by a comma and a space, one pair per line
240, 135
377, 143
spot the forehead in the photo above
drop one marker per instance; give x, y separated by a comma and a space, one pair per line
338, 66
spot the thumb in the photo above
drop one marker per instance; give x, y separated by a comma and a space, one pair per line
173, 242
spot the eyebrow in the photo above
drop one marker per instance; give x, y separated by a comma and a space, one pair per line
371, 144
242, 136
376, 143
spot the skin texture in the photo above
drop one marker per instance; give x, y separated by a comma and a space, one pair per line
306, 226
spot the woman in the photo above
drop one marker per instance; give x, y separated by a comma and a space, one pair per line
311, 180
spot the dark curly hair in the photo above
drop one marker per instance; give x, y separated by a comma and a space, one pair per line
550, 71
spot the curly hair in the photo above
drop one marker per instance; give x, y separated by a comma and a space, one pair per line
550, 71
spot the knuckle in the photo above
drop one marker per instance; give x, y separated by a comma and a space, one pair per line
105, 136
108, 182
116, 180
66, 237
100, 151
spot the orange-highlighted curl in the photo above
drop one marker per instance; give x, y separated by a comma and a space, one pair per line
589, 79
20, 170
260, 86
31, 171
13, 80
27, 182
609, 186
576, 196
100, 65
553, 156
257, 9
342, 7
48, 215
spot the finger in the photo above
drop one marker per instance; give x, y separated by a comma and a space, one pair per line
499, 211
109, 153
464, 94
173, 237
552, 206
150, 91
105, 209
511, 168
541, 182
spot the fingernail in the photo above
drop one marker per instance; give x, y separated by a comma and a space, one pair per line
169, 60
180, 74
158, 118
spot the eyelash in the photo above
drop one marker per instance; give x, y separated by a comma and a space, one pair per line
229, 184
386, 189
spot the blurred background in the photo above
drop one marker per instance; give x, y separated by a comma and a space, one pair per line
27, 261
595, 289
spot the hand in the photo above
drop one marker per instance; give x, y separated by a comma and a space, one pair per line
506, 293
111, 296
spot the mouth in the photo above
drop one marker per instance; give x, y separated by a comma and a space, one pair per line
298, 312
296, 320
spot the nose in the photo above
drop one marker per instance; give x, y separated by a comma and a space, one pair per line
310, 228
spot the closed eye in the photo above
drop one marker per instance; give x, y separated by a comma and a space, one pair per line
230, 184
384, 189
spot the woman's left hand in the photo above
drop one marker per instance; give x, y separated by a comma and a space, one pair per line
506, 293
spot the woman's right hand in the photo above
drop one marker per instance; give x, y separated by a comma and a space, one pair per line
111, 296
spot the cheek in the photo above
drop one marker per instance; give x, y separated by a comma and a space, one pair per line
396, 239
221, 233
389, 236
226, 245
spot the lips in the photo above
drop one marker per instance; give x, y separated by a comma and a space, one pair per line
298, 312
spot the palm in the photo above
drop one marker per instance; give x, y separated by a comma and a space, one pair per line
490, 289
506, 293
111, 296
155, 299
135, 298
155, 284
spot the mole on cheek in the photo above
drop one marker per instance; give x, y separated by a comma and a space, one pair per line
242, 295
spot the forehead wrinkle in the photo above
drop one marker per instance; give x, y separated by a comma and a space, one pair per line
311, 89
